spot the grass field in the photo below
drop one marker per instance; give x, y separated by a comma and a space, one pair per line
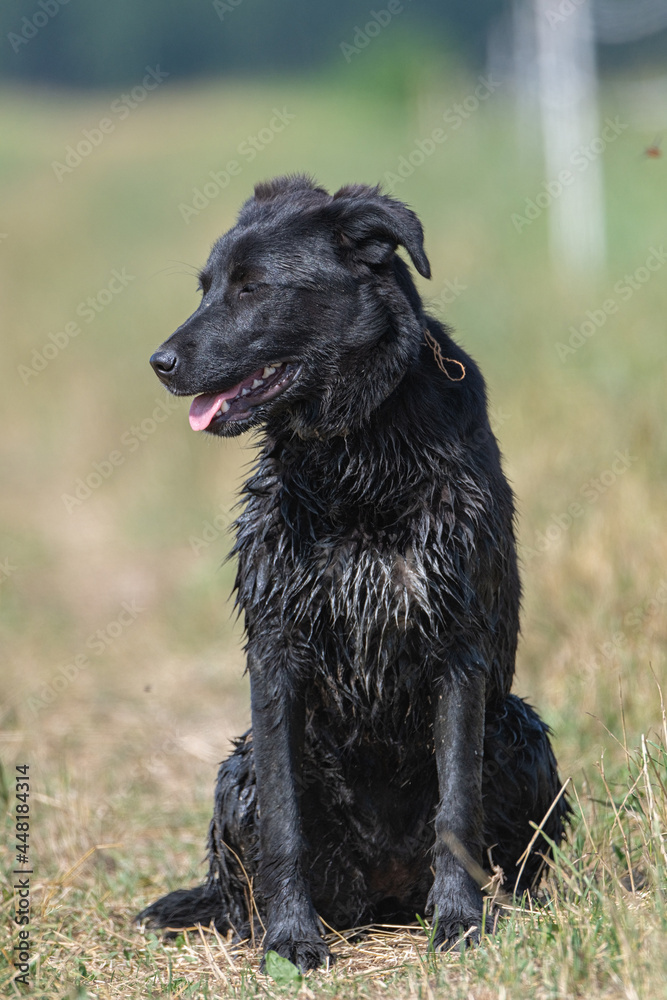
122, 674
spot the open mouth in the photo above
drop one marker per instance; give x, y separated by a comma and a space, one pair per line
214, 408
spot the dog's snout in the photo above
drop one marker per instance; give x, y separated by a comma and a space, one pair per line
164, 364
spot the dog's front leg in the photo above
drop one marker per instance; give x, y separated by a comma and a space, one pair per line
292, 927
455, 899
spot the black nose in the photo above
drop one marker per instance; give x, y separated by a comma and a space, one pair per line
164, 363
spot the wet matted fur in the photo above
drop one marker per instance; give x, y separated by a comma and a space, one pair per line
378, 581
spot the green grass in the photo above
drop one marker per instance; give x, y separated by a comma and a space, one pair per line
125, 752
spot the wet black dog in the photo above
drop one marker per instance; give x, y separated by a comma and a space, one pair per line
377, 575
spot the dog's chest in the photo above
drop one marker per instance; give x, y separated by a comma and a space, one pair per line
350, 584
310, 528
368, 590
367, 620
350, 596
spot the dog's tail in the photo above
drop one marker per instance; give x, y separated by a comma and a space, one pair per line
521, 787
227, 897
185, 908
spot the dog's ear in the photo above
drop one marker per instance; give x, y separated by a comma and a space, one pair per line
373, 225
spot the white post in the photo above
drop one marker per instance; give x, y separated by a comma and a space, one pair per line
524, 73
567, 84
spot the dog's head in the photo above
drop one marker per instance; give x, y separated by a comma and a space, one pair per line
307, 313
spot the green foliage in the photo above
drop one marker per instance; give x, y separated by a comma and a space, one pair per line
281, 970
109, 45
429, 963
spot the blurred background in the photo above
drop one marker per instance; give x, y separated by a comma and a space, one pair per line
527, 136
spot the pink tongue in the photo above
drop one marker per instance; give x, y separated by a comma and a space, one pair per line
205, 407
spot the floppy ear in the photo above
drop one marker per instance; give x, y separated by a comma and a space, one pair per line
373, 225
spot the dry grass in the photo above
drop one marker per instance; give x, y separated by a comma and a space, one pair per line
599, 923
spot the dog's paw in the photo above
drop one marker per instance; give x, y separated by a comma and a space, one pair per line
306, 953
458, 931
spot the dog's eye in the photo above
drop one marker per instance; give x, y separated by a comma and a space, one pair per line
248, 289
204, 283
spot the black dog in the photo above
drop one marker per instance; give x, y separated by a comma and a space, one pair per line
377, 575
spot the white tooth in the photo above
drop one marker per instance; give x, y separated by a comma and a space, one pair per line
244, 392
268, 371
257, 382
225, 406
219, 413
